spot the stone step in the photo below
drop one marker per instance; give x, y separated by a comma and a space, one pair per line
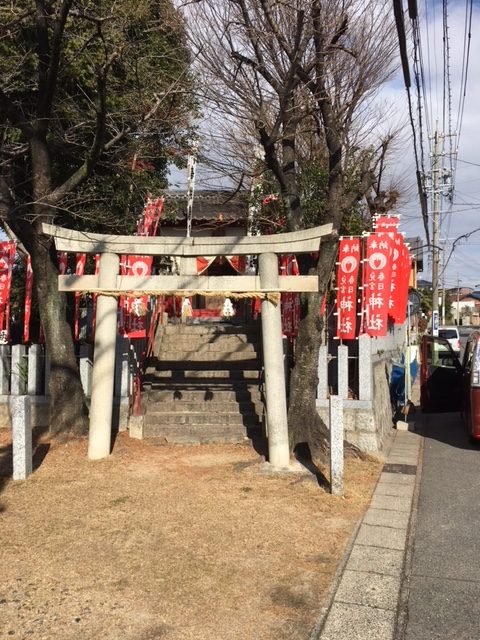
209, 330
189, 376
202, 355
212, 343
152, 383
205, 406
203, 385
205, 394
206, 364
199, 419
192, 438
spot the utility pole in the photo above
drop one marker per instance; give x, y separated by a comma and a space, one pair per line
435, 247
444, 293
458, 301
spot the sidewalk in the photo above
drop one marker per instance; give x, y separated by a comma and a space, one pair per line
366, 599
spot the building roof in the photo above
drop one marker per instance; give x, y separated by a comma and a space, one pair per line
208, 206
474, 295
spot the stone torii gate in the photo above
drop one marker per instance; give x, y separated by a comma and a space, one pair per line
109, 285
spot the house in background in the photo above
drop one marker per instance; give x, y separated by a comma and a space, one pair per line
466, 306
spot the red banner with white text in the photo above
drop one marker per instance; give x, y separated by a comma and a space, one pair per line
152, 213
134, 310
386, 224
347, 279
28, 300
403, 284
377, 277
7, 259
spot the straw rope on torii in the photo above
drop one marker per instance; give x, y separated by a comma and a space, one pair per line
272, 296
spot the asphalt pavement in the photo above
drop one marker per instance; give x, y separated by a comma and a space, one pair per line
443, 580
412, 569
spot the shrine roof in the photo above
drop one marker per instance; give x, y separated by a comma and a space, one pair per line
208, 206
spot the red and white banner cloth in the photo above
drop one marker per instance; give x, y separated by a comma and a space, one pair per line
7, 260
347, 279
62, 262
28, 300
152, 213
290, 301
401, 266
94, 297
236, 262
80, 262
133, 322
376, 284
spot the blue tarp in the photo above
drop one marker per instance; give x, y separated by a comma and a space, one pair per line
397, 380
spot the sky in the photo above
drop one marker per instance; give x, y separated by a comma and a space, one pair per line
462, 214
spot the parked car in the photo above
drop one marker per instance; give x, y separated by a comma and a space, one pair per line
452, 335
448, 385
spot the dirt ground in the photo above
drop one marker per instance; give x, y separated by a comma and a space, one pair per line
168, 542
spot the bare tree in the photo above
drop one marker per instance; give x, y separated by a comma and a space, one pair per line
299, 77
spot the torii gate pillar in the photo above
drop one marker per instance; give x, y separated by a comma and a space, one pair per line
101, 407
275, 392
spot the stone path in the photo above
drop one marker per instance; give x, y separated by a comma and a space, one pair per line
367, 595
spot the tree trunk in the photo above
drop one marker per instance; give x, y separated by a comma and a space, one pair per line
68, 412
305, 425
67, 401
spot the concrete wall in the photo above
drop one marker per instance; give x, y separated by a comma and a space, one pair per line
368, 421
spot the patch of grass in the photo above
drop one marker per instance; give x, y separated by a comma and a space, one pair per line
118, 501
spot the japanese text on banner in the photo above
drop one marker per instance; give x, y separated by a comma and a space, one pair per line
347, 277
377, 275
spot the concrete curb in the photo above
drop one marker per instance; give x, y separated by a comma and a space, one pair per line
370, 587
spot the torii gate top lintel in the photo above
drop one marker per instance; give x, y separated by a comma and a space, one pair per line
304, 241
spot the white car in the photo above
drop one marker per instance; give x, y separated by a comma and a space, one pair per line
451, 334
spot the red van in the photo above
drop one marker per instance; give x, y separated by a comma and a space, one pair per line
448, 385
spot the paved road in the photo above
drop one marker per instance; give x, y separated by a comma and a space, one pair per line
444, 585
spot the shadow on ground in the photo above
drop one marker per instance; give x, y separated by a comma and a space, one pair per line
448, 428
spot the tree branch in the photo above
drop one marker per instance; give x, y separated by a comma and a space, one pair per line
84, 171
50, 55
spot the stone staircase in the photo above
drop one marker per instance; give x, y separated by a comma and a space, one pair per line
204, 385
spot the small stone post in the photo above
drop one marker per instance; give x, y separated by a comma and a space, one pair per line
275, 392
336, 445
365, 367
48, 367
20, 411
342, 362
85, 366
322, 389
19, 370
101, 406
122, 367
35, 357
122, 380
4, 369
